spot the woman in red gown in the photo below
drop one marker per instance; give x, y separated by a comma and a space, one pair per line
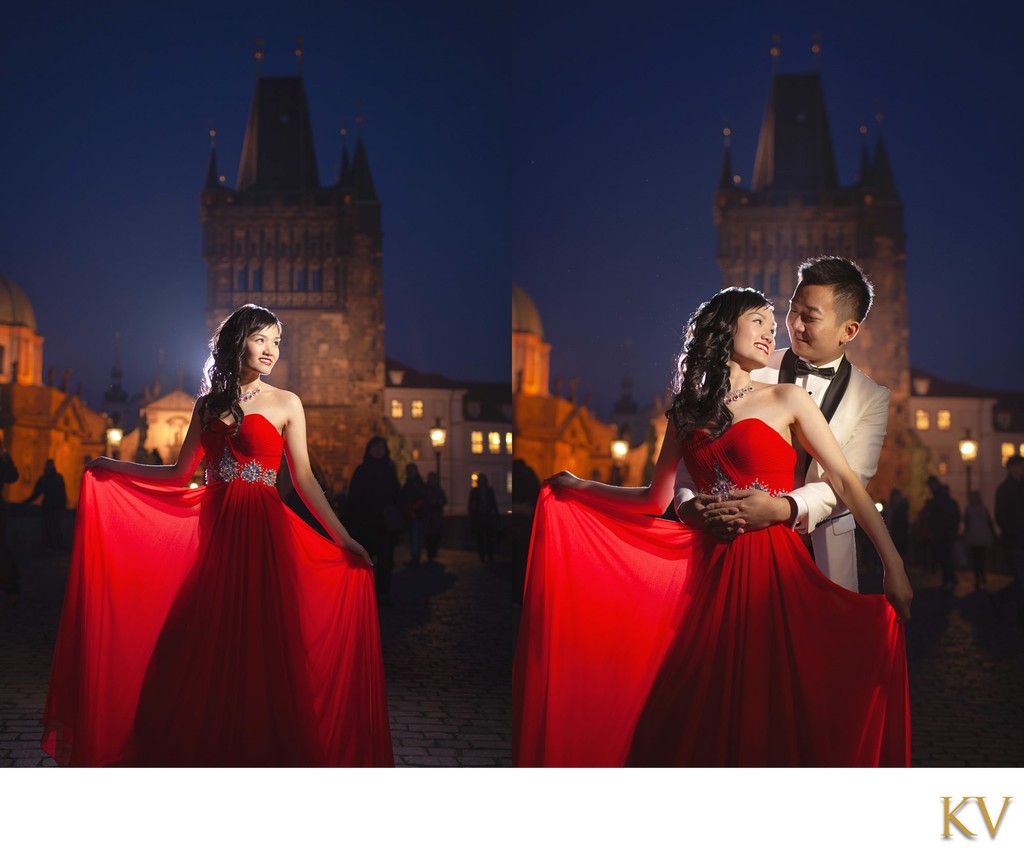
212, 626
648, 642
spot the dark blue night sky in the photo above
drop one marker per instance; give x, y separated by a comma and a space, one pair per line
574, 149
617, 148
105, 110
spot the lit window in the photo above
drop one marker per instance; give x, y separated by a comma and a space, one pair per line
943, 468
417, 409
921, 420
494, 441
476, 444
508, 482
508, 442
397, 410
943, 420
1008, 451
474, 478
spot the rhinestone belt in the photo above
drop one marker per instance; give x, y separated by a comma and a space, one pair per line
230, 469
722, 485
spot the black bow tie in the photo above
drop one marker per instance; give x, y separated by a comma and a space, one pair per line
803, 368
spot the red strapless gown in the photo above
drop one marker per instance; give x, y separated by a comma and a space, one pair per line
643, 642
213, 627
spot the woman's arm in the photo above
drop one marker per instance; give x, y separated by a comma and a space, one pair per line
817, 438
653, 498
305, 482
178, 473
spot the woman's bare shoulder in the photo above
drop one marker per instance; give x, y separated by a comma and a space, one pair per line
783, 392
287, 402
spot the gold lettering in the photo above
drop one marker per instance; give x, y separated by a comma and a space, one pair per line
950, 816
988, 820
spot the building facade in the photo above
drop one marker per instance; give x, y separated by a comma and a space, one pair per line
943, 414
40, 420
312, 253
552, 432
477, 420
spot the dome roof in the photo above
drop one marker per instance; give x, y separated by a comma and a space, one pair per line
525, 317
15, 308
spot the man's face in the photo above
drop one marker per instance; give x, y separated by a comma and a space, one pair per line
815, 332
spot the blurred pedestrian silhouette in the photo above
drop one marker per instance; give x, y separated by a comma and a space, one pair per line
10, 578
373, 513
979, 534
897, 519
1010, 518
483, 518
525, 491
434, 501
943, 514
412, 499
50, 487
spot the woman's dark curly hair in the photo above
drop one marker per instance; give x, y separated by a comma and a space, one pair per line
701, 379
223, 368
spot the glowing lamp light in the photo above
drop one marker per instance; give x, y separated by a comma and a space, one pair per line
620, 448
968, 449
438, 435
968, 453
114, 436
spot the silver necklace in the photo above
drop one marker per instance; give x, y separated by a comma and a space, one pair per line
739, 393
248, 396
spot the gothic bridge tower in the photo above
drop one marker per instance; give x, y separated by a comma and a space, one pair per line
796, 208
312, 254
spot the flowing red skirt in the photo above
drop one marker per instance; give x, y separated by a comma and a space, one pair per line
643, 642
212, 627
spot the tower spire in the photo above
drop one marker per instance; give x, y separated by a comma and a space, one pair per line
864, 176
345, 172
882, 175
725, 179
776, 50
298, 53
212, 175
259, 57
816, 50
362, 180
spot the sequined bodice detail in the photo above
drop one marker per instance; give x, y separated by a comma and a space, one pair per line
751, 454
253, 455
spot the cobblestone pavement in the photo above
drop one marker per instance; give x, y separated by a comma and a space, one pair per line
448, 646
966, 665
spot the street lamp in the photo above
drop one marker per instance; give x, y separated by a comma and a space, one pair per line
114, 437
438, 436
968, 452
620, 449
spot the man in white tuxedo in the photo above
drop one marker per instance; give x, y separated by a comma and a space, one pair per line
831, 300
